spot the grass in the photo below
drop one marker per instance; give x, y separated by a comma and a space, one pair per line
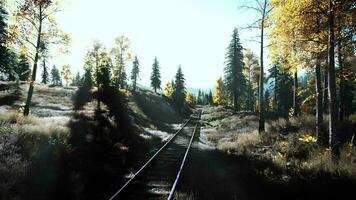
289, 144
25, 142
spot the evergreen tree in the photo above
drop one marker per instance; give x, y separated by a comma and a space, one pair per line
56, 79
23, 68
156, 76
179, 89
87, 79
45, 78
210, 98
5, 67
282, 83
234, 79
77, 81
135, 73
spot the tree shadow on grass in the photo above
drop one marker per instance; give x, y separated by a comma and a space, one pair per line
211, 174
9, 99
159, 112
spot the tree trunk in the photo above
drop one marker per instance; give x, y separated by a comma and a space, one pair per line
322, 138
342, 80
249, 90
333, 133
34, 71
261, 126
295, 94
325, 91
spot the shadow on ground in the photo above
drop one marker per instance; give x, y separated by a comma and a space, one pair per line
211, 174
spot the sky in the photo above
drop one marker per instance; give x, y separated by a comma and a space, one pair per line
190, 33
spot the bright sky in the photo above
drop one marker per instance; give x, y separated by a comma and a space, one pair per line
190, 33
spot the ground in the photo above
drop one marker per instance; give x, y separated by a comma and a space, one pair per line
229, 160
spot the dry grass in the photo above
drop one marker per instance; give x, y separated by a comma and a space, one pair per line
290, 144
241, 144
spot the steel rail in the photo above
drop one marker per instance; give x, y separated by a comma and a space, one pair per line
149, 161
184, 159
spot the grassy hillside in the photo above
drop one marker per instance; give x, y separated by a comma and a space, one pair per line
46, 150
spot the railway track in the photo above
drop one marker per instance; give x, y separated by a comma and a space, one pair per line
159, 176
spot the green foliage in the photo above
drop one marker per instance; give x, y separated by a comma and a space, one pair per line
99, 62
156, 76
235, 81
135, 72
5, 67
179, 90
77, 81
87, 79
122, 54
23, 68
282, 85
56, 79
45, 76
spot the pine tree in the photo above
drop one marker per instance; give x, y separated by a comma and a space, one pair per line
234, 79
77, 81
179, 89
155, 76
23, 68
87, 79
135, 73
56, 79
5, 68
45, 77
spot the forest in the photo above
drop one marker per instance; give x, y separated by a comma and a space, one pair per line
278, 122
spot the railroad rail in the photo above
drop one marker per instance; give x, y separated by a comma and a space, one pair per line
159, 176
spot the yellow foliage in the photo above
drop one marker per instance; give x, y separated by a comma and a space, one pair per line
308, 139
168, 89
218, 95
189, 98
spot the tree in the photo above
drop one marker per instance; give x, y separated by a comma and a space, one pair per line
66, 73
210, 98
35, 27
283, 87
155, 76
23, 68
263, 8
87, 79
45, 78
122, 54
179, 89
219, 94
189, 98
55, 77
135, 73
77, 81
168, 89
98, 60
252, 72
5, 56
333, 112
234, 79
